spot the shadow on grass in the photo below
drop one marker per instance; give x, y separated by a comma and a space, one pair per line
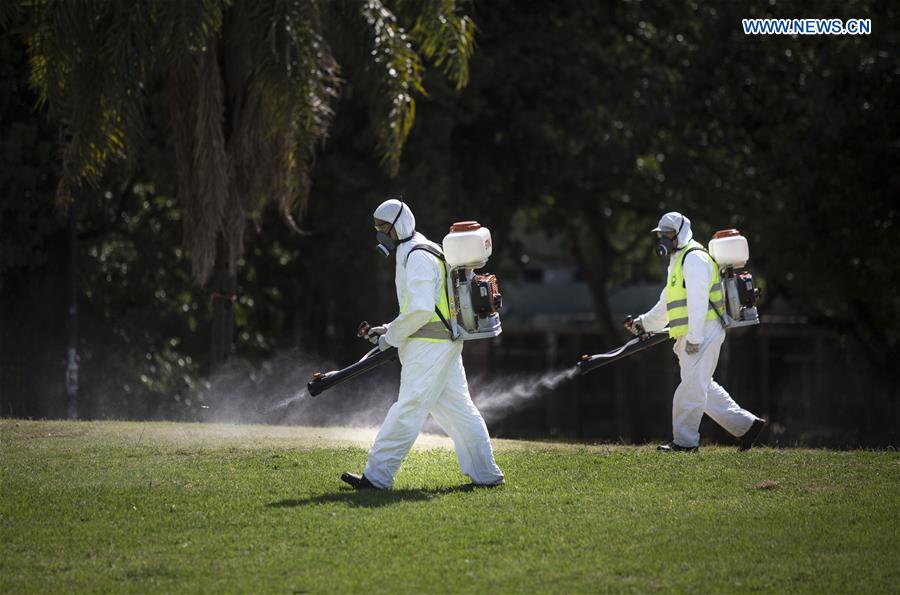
372, 498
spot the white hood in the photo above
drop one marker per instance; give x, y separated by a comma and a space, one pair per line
675, 221
406, 222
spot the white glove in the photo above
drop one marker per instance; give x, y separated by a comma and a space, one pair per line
375, 333
382, 343
691, 348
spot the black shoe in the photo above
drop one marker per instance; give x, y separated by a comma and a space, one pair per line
358, 482
474, 485
746, 441
672, 447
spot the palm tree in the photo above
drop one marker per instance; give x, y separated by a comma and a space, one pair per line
251, 87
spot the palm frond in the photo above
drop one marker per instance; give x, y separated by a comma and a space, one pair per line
395, 73
284, 89
88, 66
188, 38
308, 88
395, 43
197, 106
443, 34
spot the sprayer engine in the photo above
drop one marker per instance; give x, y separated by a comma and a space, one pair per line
486, 297
475, 299
741, 296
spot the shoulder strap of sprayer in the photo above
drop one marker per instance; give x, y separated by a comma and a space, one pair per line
440, 256
715, 264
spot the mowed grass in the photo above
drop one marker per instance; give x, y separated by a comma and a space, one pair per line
125, 507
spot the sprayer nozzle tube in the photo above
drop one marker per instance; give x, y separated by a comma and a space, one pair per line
329, 379
587, 363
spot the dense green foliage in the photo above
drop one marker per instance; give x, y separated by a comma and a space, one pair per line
187, 507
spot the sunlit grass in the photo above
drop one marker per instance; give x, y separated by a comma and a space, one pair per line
188, 507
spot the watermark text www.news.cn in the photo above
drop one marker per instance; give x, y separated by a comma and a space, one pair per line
807, 26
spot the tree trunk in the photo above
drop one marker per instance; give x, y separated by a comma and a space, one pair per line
224, 288
594, 253
72, 353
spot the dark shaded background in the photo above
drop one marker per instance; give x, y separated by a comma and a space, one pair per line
582, 123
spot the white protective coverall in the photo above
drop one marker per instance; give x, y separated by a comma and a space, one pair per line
697, 393
432, 377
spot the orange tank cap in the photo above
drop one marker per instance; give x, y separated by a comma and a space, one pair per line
464, 226
726, 233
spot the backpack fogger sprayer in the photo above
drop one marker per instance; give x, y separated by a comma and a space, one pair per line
474, 300
730, 252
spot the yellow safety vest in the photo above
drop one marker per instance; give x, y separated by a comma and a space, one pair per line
434, 330
676, 294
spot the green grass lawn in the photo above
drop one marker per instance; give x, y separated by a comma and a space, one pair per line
115, 506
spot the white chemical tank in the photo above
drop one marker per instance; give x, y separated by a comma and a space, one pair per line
468, 243
729, 248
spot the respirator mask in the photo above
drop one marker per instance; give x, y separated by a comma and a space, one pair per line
387, 244
665, 246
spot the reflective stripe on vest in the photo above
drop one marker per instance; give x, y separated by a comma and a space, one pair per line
434, 330
676, 294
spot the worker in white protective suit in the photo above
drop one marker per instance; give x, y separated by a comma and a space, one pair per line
432, 379
692, 305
